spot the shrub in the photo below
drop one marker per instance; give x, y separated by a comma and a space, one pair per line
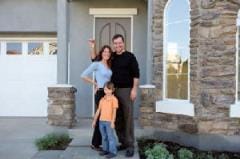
53, 141
158, 151
184, 153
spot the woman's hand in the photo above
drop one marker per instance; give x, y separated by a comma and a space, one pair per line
93, 124
91, 43
95, 88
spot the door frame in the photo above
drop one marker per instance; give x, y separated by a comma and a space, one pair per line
112, 13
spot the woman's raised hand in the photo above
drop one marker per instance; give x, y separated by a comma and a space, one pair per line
91, 43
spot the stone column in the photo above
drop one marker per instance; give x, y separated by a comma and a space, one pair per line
61, 105
147, 106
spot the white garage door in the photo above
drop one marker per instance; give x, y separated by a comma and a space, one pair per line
26, 69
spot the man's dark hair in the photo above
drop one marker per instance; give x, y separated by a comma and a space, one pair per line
116, 36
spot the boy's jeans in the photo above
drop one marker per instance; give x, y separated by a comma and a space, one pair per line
108, 138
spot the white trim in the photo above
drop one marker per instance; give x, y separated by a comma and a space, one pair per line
1, 48
27, 39
173, 106
147, 86
4, 48
24, 48
235, 110
237, 64
46, 48
93, 74
131, 34
113, 11
62, 85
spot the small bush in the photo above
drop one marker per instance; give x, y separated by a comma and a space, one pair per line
158, 151
53, 141
184, 153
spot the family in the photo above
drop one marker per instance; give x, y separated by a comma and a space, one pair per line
116, 82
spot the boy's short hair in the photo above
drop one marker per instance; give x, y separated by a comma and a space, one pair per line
109, 85
116, 36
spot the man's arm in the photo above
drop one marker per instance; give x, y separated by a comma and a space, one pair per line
133, 94
136, 75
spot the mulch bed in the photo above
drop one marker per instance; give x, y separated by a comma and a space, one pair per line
174, 147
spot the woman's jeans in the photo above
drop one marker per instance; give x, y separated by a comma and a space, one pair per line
96, 138
108, 138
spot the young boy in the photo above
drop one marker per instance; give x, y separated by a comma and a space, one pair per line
107, 110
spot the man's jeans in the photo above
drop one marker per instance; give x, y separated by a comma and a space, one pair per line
108, 138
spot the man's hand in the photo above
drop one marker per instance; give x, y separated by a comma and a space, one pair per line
133, 94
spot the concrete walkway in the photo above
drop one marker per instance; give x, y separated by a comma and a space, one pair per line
17, 138
79, 147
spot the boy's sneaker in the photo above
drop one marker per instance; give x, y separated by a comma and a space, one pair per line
103, 153
111, 155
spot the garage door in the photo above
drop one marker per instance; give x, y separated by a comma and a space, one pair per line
27, 68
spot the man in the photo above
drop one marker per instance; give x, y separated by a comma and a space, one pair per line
125, 76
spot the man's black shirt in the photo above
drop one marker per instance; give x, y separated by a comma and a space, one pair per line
124, 69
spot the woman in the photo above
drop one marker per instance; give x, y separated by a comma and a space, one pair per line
103, 73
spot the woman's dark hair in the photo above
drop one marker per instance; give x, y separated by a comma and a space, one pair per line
99, 57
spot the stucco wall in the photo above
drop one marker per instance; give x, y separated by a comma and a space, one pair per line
28, 15
81, 29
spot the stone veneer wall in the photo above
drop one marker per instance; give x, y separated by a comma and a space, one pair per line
212, 70
61, 105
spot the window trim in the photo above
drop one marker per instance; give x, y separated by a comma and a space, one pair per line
235, 108
167, 105
24, 43
165, 54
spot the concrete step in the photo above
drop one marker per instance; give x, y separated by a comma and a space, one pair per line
85, 152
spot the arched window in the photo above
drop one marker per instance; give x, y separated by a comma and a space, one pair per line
176, 59
176, 50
